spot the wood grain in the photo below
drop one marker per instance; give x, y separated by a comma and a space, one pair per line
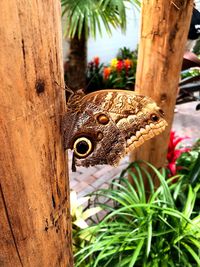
34, 191
164, 29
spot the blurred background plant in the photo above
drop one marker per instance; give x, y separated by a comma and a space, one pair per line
125, 53
186, 161
94, 75
193, 72
119, 73
196, 48
174, 151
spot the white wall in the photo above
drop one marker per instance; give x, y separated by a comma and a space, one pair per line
107, 47
197, 4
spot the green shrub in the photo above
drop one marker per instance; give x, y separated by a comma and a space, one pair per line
143, 228
185, 163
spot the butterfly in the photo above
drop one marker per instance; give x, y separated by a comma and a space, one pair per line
103, 126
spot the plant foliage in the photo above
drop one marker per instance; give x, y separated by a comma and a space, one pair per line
118, 74
88, 16
186, 161
79, 215
143, 228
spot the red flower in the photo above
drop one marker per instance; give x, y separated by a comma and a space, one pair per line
127, 63
96, 61
119, 66
106, 72
173, 153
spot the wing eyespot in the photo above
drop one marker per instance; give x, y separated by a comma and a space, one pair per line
154, 118
102, 119
82, 147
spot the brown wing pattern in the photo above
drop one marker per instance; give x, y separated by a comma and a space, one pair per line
103, 126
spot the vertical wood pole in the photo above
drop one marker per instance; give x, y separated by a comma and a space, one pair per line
164, 29
34, 191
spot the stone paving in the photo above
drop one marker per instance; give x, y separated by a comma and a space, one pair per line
86, 180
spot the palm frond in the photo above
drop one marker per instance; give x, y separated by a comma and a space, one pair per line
89, 16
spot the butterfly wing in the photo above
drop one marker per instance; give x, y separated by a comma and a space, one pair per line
105, 125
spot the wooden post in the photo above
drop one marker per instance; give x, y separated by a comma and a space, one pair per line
35, 227
164, 29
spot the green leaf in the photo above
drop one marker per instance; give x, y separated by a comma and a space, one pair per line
90, 212
192, 252
194, 175
80, 223
149, 235
136, 253
189, 205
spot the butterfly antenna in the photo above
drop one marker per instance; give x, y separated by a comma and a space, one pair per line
90, 81
69, 90
66, 88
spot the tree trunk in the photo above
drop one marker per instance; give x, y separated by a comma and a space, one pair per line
164, 30
35, 228
75, 66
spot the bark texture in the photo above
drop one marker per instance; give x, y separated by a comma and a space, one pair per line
34, 191
164, 30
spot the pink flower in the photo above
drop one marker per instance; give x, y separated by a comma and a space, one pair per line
173, 154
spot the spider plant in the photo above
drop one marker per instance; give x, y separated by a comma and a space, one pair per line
79, 214
143, 229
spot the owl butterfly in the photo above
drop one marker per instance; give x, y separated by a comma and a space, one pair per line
103, 126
